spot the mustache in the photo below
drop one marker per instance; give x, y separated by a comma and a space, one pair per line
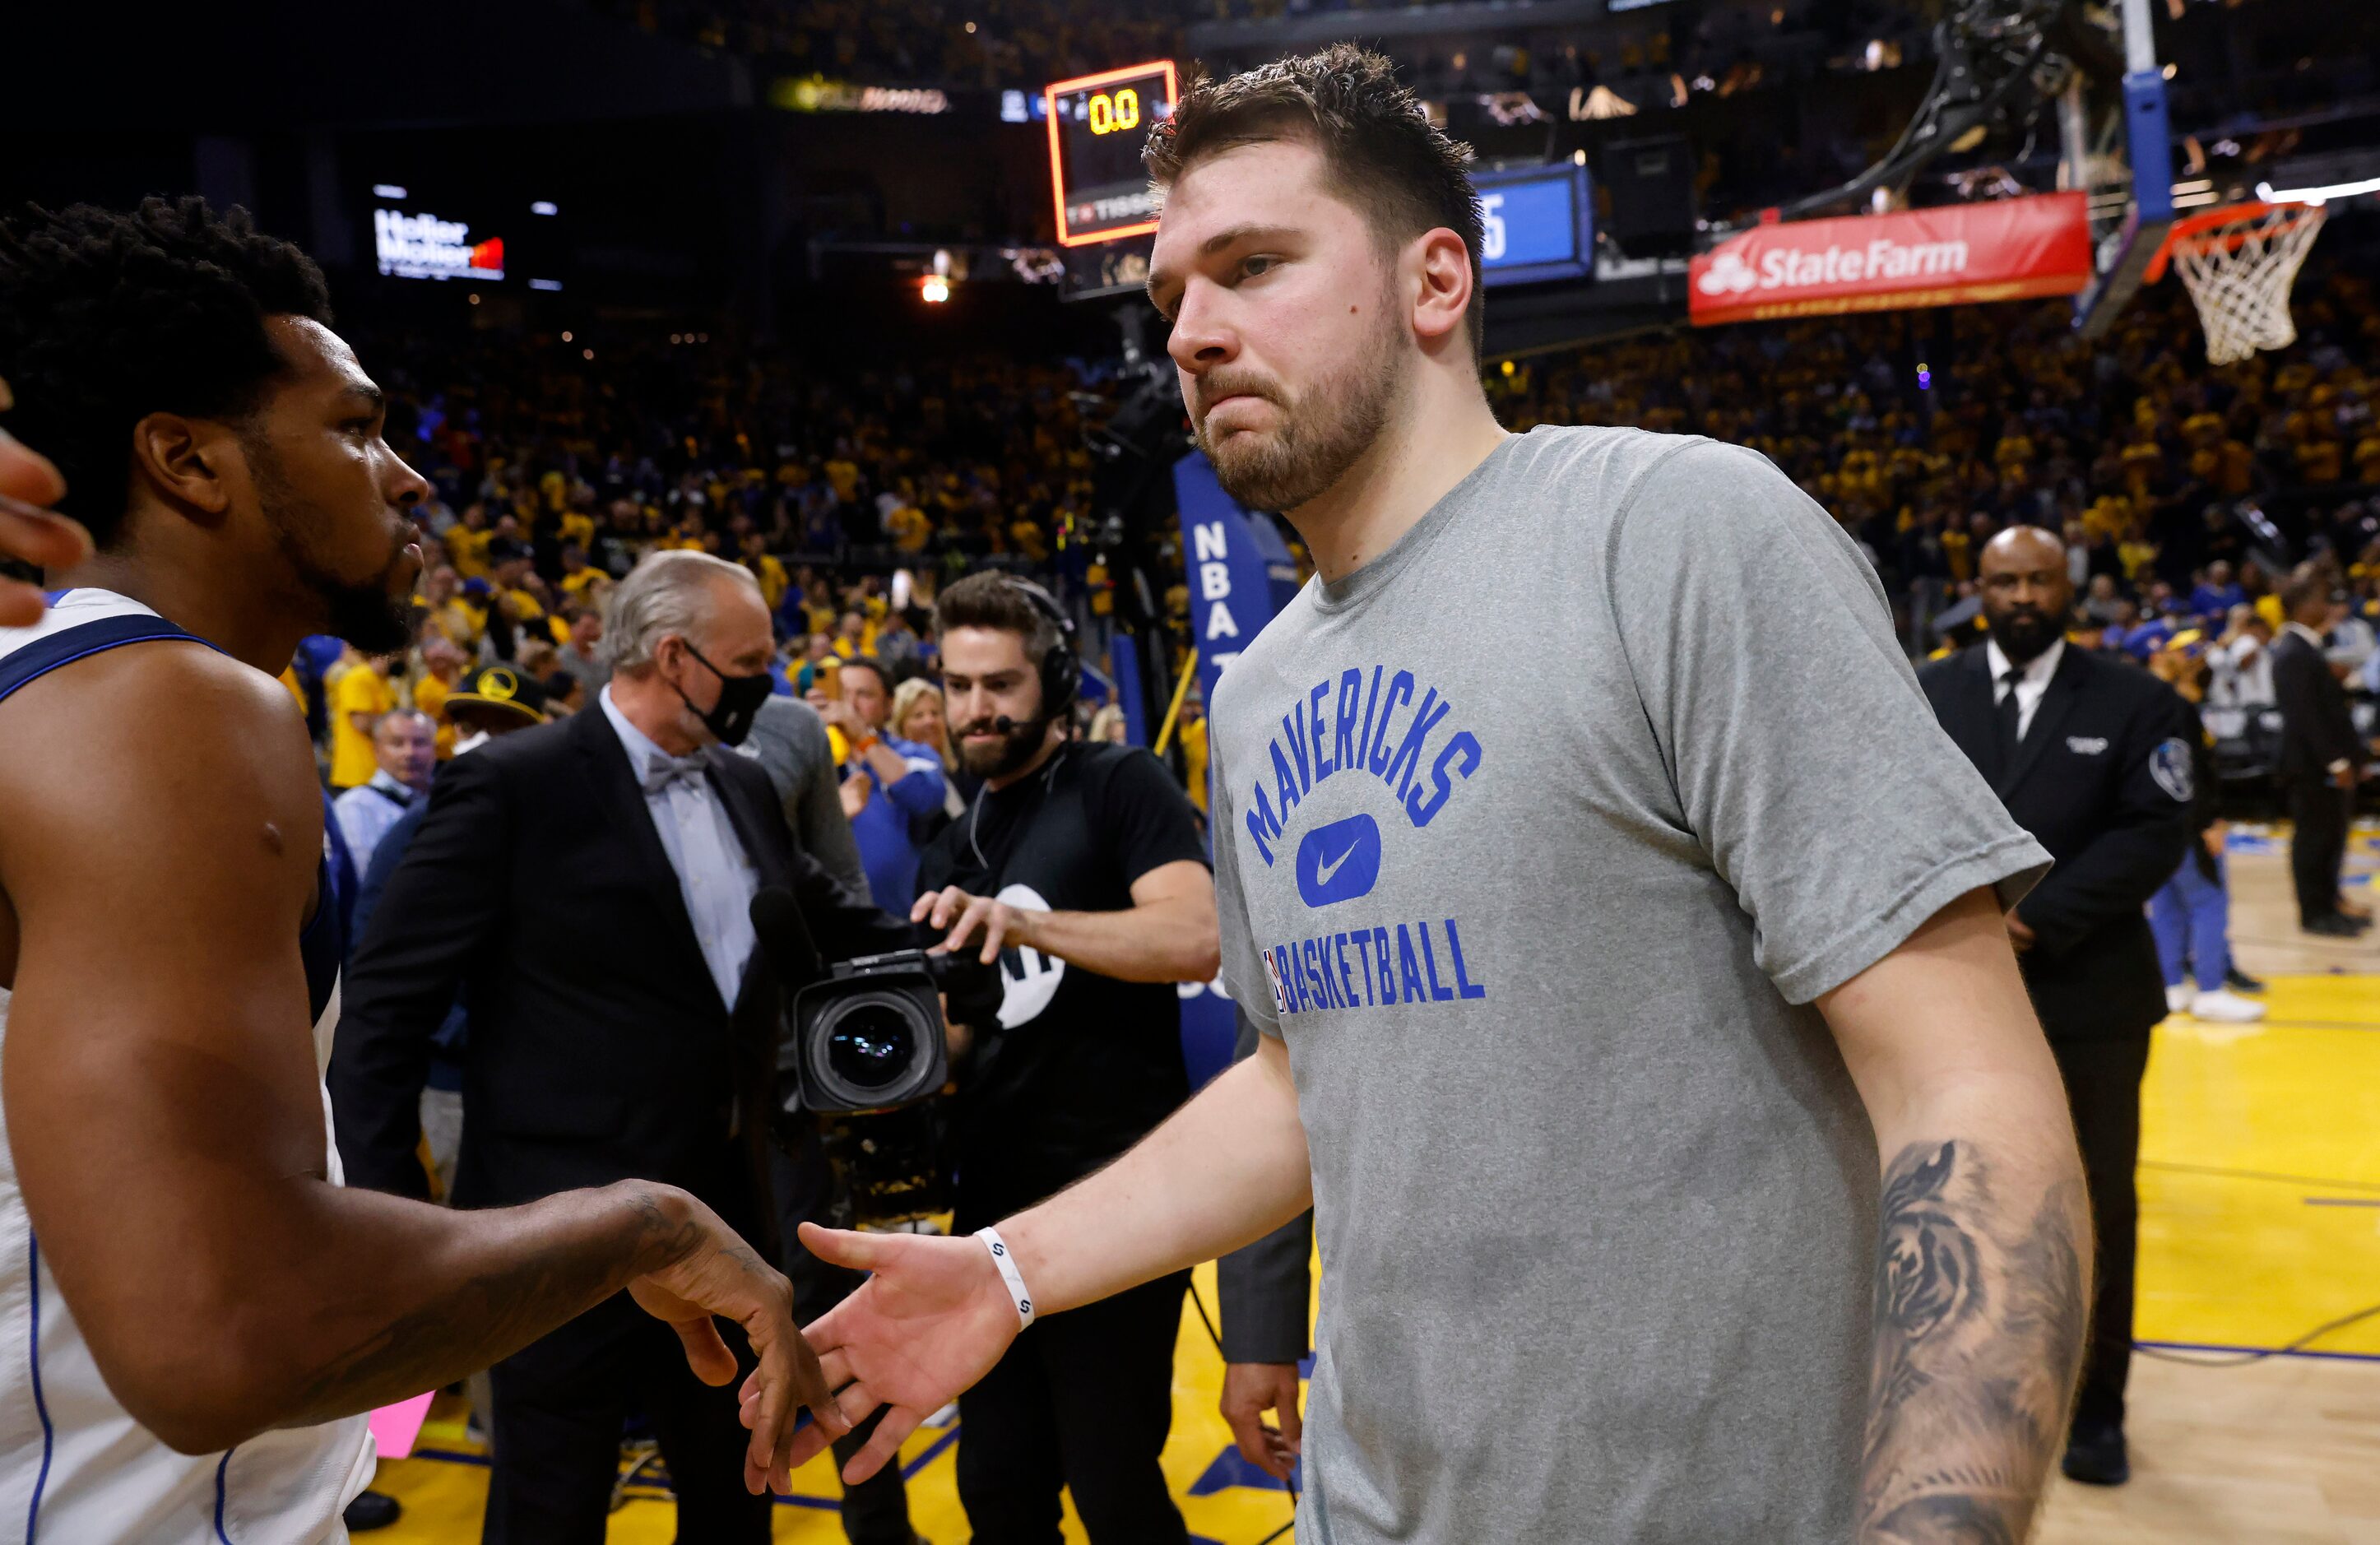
1214, 388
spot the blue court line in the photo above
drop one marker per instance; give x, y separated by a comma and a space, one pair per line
2269, 1351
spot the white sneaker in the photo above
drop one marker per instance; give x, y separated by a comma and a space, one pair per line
2178, 999
2224, 1007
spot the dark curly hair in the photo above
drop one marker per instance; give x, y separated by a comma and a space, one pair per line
1382, 154
106, 317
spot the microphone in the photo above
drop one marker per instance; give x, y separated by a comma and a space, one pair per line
784, 937
1004, 725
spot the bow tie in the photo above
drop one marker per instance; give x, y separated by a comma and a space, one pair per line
664, 772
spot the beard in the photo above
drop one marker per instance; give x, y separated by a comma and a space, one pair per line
373, 614
1008, 754
2024, 635
1324, 429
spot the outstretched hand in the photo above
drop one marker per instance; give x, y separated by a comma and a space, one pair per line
932, 1320
719, 1274
27, 532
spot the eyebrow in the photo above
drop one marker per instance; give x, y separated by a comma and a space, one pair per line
367, 393
1230, 236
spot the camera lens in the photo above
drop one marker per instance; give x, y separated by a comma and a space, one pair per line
870, 1046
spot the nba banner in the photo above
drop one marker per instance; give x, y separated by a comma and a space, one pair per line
1240, 574
2008, 249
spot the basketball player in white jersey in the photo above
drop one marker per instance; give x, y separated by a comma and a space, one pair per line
193, 1312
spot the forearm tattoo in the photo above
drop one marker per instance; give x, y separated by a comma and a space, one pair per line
496, 1313
1978, 1337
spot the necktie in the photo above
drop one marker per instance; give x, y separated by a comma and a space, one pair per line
663, 773
2010, 716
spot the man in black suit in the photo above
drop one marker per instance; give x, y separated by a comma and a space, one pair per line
1265, 1300
2090, 754
2320, 753
589, 882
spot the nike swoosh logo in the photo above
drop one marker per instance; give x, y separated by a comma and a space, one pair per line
1322, 871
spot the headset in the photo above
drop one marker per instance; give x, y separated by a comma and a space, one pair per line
1061, 668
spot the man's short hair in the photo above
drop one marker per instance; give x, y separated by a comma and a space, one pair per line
403, 715
990, 600
869, 662
2302, 585
107, 317
1380, 151
666, 593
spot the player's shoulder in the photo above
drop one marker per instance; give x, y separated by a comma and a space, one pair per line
160, 729
1613, 467
177, 682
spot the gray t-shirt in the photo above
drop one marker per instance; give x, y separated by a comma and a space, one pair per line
1536, 838
790, 741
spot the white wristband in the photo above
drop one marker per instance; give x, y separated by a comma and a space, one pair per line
1008, 1273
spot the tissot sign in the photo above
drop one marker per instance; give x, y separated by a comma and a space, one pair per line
1959, 253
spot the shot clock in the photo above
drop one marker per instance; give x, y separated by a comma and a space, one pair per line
1098, 125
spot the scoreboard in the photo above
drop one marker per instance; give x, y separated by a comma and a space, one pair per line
1098, 125
1537, 224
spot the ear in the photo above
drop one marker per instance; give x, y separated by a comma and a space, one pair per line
1442, 299
196, 463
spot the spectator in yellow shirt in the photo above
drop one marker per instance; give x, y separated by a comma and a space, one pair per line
765, 568
441, 668
909, 528
847, 636
467, 544
576, 575
1193, 734
357, 701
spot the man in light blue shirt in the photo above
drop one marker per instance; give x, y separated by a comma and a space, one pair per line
713, 873
405, 743
892, 788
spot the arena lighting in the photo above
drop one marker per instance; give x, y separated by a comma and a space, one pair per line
934, 289
566, 334
2272, 195
387, 190
543, 206
587, 354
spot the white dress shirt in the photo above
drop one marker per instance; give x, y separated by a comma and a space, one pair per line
365, 812
2029, 687
713, 873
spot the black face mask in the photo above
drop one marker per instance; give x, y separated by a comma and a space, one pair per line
740, 697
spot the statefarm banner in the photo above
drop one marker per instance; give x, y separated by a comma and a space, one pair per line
2008, 249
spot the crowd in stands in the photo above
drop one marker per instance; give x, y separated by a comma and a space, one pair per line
990, 43
2181, 488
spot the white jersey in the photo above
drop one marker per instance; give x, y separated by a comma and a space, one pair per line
75, 1467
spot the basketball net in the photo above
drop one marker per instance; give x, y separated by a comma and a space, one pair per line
2239, 263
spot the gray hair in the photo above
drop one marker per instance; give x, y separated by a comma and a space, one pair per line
668, 593
396, 715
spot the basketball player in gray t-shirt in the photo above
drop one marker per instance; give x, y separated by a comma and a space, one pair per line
1641, 1017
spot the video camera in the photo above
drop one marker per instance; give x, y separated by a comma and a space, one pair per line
860, 1051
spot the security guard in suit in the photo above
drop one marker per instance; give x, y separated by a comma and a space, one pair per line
2090, 755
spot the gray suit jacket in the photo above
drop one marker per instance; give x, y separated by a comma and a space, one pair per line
1263, 1287
789, 741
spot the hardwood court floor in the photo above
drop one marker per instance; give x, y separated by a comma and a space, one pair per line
2260, 1220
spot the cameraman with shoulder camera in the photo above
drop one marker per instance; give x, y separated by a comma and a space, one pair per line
588, 882
1078, 866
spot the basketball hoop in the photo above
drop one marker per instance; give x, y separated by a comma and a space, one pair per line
2238, 263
